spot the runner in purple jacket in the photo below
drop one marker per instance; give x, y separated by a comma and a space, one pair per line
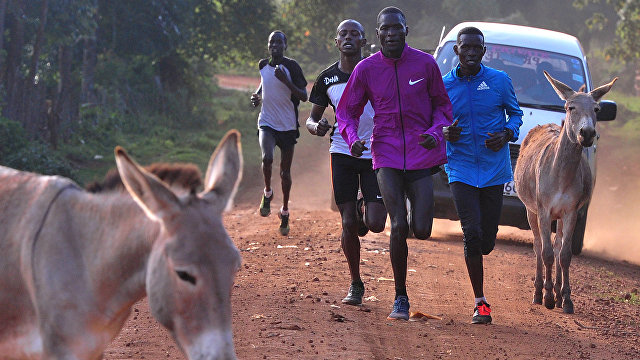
411, 107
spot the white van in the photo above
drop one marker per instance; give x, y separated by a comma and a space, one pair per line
523, 53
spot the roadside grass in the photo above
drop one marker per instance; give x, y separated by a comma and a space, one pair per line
627, 122
606, 291
630, 297
629, 101
163, 140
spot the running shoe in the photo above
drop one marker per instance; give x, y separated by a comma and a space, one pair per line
354, 297
362, 227
482, 313
265, 205
284, 224
400, 309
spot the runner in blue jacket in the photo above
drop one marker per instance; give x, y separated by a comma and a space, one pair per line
479, 162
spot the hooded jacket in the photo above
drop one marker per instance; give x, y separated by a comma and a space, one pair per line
481, 103
408, 97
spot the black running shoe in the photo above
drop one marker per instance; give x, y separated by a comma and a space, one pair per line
482, 313
284, 224
265, 205
356, 292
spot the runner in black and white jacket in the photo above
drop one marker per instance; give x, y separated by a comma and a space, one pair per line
349, 173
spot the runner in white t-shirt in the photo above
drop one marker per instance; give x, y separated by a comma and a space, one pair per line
282, 87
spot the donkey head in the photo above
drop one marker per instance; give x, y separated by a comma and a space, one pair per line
581, 108
193, 262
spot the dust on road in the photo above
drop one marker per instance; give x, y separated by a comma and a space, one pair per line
286, 301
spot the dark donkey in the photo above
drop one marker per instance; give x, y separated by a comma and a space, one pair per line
73, 263
553, 181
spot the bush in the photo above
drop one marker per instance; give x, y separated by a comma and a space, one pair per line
12, 138
39, 158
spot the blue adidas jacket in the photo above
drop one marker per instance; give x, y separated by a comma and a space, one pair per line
481, 104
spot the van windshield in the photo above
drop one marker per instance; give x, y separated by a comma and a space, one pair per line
525, 67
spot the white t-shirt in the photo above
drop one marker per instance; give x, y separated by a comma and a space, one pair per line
328, 90
279, 109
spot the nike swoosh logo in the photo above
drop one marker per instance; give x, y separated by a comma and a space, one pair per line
415, 82
378, 197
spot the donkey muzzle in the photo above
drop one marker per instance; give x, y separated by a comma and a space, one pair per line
587, 136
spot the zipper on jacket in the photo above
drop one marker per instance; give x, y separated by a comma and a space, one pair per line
404, 140
473, 125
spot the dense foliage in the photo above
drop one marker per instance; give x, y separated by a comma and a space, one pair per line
78, 77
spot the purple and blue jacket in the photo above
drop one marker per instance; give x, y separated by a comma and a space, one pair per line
408, 98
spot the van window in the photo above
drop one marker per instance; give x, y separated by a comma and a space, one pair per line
525, 67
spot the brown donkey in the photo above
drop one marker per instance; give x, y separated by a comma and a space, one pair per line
73, 263
553, 181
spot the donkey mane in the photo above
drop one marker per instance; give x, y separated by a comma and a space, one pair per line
550, 130
182, 175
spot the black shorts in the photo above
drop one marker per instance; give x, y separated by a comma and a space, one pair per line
349, 173
283, 139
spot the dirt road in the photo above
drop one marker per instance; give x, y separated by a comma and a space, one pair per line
286, 301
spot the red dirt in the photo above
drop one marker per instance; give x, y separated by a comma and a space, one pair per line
286, 301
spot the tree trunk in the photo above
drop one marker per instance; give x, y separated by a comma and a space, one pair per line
62, 109
3, 10
14, 58
52, 124
89, 61
33, 67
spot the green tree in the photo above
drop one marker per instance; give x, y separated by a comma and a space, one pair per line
626, 44
230, 32
310, 26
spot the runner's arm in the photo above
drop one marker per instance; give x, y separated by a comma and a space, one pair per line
256, 97
512, 109
316, 124
299, 93
441, 109
350, 107
298, 83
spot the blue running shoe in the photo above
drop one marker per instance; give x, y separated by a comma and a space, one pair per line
400, 309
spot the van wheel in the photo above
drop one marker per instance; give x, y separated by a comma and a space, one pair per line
577, 239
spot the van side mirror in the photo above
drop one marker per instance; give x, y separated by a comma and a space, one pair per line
608, 110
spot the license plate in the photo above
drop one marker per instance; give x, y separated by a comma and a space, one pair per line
510, 189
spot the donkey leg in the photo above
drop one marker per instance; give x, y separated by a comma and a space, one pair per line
544, 223
537, 249
70, 345
557, 245
565, 261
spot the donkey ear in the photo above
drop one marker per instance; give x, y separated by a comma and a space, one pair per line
561, 89
598, 93
153, 196
224, 171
